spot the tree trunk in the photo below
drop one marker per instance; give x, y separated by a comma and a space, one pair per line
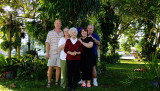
9, 23
19, 45
18, 52
9, 39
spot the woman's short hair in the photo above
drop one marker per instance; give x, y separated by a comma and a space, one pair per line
84, 30
73, 29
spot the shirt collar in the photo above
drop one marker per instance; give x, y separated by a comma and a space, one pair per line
73, 40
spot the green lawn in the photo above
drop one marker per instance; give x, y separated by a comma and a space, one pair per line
118, 77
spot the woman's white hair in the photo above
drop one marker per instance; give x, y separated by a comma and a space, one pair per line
73, 29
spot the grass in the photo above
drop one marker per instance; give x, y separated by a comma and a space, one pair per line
117, 77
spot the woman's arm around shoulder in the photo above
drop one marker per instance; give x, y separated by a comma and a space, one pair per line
66, 46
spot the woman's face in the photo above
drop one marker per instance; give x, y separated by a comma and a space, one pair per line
65, 31
73, 34
84, 33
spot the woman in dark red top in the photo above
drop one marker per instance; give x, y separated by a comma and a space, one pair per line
73, 49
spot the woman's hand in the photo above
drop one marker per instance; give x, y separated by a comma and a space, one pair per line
80, 40
74, 53
92, 37
78, 53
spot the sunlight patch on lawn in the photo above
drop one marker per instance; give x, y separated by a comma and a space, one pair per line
131, 62
117, 68
4, 88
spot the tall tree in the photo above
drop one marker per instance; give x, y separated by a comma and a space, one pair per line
147, 14
71, 12
106, 20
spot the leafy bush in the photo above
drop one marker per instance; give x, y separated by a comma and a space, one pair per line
32, 67
7, 64
29, 66
2, 63
114, 58
107, 59
101, 67
5, 45
32, 52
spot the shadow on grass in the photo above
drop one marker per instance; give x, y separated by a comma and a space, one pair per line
35, 85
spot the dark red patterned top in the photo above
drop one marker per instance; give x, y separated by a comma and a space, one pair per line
73, 47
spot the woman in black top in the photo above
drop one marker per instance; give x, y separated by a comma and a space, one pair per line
86, 58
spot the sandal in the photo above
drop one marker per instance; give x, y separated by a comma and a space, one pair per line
48, 85
83, 85
88, 85
56, 83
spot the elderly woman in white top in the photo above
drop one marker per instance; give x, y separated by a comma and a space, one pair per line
61, 45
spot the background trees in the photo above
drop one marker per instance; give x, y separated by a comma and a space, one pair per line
112, 20
146, 14
12, 22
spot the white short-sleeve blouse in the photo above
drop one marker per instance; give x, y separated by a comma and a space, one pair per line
62, 53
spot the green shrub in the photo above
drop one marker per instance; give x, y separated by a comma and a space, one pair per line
113, 58
32, 67
8, 65
32, 52
107, 59
2, 63
29, 66
101, 67
5, 45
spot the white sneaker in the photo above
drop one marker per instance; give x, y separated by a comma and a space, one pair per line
80, 82
95, 83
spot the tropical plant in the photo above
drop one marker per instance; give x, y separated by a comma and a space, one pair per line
11, 36
32, 67
8, 65
153, 69
10, 21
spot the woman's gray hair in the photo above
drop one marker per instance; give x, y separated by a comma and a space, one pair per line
73, 29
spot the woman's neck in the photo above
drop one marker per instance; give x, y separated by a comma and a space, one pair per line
66, 37
84, 37
73, 38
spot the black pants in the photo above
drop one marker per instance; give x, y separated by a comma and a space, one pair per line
73, 72
86, 68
